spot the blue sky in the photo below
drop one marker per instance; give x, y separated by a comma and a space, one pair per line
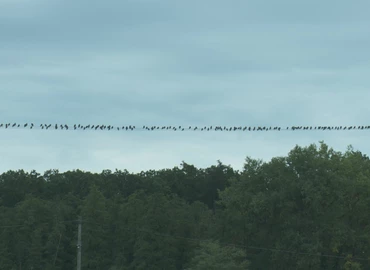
146, 62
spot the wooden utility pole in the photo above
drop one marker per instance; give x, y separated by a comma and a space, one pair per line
79, 245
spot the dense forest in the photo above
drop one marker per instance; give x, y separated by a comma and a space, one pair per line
308, 210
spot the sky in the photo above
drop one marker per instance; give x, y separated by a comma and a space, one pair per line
188, 63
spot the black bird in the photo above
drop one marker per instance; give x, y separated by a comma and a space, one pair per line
14, 125
56, 126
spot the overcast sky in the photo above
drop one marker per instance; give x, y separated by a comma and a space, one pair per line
199, 63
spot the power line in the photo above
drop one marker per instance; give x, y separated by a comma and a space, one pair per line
199, 240
240, 246
100, 127
41, 223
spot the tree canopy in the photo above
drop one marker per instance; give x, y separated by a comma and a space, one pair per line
306, 210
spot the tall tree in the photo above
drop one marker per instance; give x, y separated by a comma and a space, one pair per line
211, 256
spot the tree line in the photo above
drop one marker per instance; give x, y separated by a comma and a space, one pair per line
307, 210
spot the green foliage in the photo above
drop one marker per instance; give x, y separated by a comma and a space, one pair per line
307, 210
211, 256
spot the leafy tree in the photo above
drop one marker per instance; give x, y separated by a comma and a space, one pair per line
211, 255
95, 250
306, 210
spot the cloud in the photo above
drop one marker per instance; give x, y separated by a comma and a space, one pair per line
185, 63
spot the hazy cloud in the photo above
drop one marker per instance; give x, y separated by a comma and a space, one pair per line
186, 63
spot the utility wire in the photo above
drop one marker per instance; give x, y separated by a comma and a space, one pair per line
197, 240
100, 127
42, 223
235, 245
